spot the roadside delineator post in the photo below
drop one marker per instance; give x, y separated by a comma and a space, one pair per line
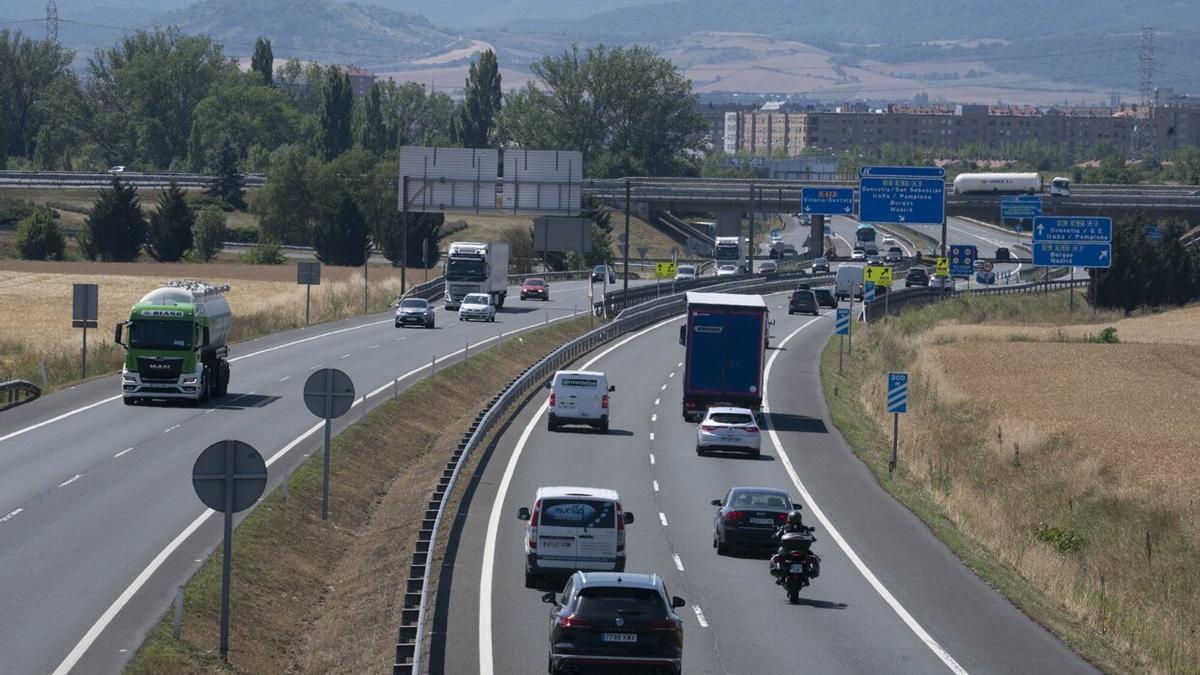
897, 402
843, 329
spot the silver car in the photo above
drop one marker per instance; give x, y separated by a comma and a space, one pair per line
416, 312
728, 429
477, 307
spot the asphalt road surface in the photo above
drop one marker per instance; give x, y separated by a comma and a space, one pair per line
98, 519
890, 598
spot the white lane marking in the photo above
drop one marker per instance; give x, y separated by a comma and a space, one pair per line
671, 375
662, 518
70, 480
656, 401
285, 378
866, 572
487, 569
122, 452
123, 599
399, 338
654, 417
52, 420
652, 459
10, 515
700, 616
374, 347
307, 339
345, 356
664, 388
679, 365
171, 428
651, 435
678, 562
655, 484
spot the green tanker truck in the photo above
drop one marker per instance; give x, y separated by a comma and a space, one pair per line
176, 344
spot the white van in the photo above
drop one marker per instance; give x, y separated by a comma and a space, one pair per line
573, 529
579, 397
849, 281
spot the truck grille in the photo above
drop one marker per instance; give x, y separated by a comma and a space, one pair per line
154, 369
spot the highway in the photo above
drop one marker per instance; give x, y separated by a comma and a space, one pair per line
890, 598
98, 518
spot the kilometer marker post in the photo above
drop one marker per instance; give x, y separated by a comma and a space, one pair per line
897, 402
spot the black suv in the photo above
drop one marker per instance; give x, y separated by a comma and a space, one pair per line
620, 620
825, 297
917, 276
803, 300
1003, 254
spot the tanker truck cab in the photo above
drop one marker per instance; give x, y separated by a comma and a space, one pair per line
175, 344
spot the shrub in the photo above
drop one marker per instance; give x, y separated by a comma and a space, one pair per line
14, 210
242, 235
266, 252
38, 236
207, 234
1061, 539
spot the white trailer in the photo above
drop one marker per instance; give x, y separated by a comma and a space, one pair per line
476, 267
997, 183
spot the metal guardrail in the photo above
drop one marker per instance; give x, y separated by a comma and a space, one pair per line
415, 611
15, 392
909, 298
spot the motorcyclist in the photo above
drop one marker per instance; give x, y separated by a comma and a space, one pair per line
795, 523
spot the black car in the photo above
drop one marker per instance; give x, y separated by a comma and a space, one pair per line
825, 297
1003, 254
414, 311
917, 276
820, 266
803, 300
748, 518
599, 271
615, 620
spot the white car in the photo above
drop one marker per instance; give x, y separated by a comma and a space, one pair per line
117, 169
728, 429
727, 271
858, 254
768, 267
685, 272
477, 307
579, 397
573, 528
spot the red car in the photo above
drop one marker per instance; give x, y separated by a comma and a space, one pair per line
535, 288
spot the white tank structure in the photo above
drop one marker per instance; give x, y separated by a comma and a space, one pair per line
997, 183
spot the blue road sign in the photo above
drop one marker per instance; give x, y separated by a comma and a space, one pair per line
774, 233
897, 393
1072, 254
827, 201
1153, 233
1071, 229
962, 260
868, 291
908, 200
1020, 206
907, 171
843, 321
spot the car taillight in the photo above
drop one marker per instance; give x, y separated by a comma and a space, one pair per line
551, 399
573, 621
664, 624
709, 427
781, 517
620, 530
533, 521
604, 402
752, 430
735, 515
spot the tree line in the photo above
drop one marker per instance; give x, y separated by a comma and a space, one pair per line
1148, 272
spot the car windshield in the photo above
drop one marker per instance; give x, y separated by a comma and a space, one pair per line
685, 269
576, 512
475, 299
606, 600
821, 261
731, 418
760, 500
802, 296
535, 282
599, 269
414, 303
823, 293
150, 334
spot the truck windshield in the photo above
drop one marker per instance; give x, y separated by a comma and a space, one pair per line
151, 334
466, 269
727, 252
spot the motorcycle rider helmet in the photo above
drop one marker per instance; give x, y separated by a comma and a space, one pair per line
795, 518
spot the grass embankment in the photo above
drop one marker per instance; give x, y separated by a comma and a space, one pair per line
1056, 458
35, 299
490, 227
315, 597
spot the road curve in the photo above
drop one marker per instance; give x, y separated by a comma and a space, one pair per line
906, 605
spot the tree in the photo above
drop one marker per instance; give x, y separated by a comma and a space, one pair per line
627, 110
28, 70
115, 229
341, 236
286, 205
239, 108
207, 233
602, 241
227, 181
337, 105
38, 236
170, 233
481, 102
263, 60
520, 247
1185, 166
373, 135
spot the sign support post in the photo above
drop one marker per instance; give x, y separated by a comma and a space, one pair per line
328, 393
403, 233
842, 326
84, 314
897, 402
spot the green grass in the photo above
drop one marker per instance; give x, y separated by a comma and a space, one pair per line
1134, 598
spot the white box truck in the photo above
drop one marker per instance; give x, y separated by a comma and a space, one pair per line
475, 267
849, 282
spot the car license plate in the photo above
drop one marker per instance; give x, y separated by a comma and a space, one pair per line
546, 542
762, 521
618, 637
729, 439
795, 569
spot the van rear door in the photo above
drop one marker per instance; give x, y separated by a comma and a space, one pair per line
577, 533
579, 396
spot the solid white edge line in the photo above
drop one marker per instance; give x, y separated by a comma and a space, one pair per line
70, 480
486, 663
122, 452
63, 416
866, 572
10, 515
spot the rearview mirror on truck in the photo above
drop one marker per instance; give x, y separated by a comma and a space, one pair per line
683, 335
117, 333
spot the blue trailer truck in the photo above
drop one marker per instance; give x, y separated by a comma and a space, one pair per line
726, 340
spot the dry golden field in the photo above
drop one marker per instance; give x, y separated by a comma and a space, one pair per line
486, 227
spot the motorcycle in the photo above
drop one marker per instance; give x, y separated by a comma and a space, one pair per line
795, 565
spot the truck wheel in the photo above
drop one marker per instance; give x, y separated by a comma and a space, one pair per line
205, 386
